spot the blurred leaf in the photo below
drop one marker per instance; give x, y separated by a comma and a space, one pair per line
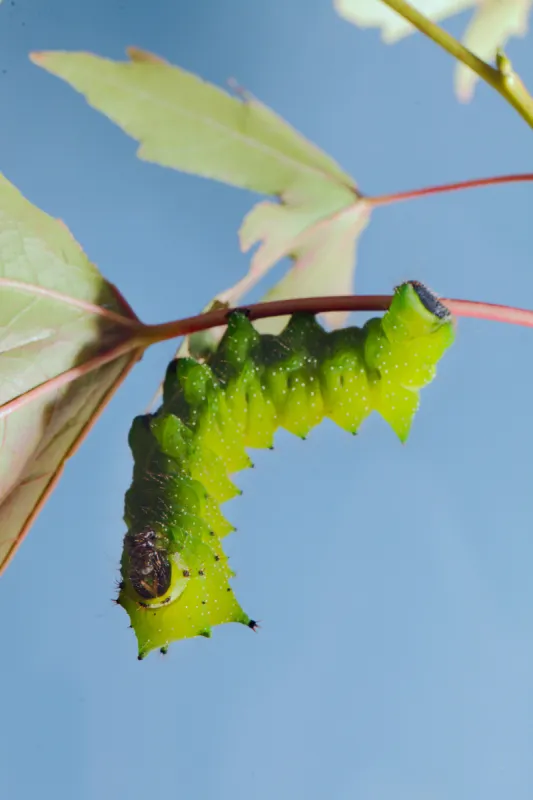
56, 313
492, 24
186, 123
322, 246
375, 14
489, 29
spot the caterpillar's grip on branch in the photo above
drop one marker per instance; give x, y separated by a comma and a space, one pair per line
175, 575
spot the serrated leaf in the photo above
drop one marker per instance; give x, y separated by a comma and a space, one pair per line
303, 226
492, 24
57, 313
322, 246
186, 123
324, 261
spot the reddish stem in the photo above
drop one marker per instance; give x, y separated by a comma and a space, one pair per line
387, 199
151, 334
318, 305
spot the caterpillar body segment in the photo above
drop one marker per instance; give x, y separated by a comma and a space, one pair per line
175, 575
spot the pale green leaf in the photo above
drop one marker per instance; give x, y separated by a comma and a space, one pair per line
324, 262
278, 227
298, 226
319, 236
375, 14
56, 312
186, 123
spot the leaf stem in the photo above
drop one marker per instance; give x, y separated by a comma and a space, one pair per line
502, 77
413, 194
318, 305
136, 345
131, 321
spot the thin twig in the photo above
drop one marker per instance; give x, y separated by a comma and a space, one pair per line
413, 194
319, 305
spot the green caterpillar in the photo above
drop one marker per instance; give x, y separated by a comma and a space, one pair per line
175, 575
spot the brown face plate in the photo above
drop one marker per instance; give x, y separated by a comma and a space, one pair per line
149, 567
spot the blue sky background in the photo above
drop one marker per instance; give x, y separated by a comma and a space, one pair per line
395, 661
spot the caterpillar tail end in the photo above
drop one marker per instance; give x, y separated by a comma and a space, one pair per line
206, 602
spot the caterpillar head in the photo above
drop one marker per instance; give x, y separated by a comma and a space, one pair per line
416, 312
149, 567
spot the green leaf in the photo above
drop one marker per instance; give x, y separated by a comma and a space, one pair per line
492, 24
67, 340
318, 229
186, 123
321, 245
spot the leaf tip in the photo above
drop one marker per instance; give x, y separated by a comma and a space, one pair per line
38, 57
